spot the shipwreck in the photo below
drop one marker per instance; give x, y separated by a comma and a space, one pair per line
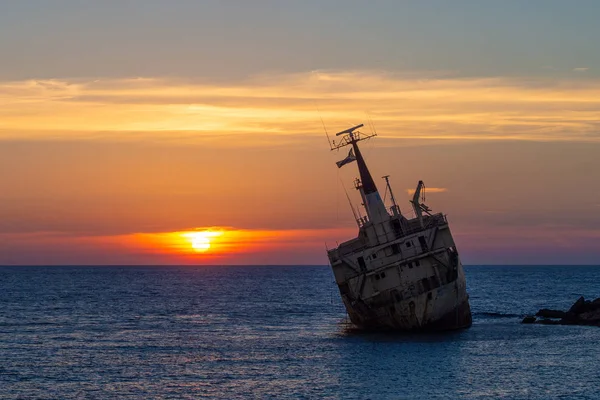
399, 273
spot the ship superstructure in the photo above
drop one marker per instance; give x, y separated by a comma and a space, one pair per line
398, 273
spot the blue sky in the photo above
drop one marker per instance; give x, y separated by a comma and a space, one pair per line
236, 39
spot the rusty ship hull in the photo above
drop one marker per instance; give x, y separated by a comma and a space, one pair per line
414, 282
399, 273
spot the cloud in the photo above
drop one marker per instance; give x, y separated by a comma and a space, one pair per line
580, 69
427, 190
257, 110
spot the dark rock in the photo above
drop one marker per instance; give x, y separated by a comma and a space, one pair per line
546, 313
570, 317
578, 307
530, 319
583, 312
591, 306
590, 317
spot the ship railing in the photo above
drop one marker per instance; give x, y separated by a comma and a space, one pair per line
362, 221
350, 247
414, 226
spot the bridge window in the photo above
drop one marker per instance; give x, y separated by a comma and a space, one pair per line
361, 263
396, 227
426, 285
423, 243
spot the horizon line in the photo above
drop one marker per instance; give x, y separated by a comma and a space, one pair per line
266, 265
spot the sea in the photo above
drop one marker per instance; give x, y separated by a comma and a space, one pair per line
281, 332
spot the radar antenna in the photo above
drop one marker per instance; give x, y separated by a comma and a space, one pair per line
351, 136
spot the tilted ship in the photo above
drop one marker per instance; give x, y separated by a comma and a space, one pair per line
399, 273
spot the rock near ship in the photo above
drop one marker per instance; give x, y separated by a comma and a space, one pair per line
582, 312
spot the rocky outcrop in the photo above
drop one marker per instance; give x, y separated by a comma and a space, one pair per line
546, 313
582, 312
530, 319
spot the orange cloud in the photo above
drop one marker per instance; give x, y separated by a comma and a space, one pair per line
403, 106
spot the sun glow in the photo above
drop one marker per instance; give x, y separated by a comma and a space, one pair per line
227, 245
201, 240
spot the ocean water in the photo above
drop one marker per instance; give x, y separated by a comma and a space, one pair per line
280, 332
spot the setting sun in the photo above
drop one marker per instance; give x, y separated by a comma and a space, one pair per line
201, 241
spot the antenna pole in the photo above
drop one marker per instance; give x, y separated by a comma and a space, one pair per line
351, 207
350, 202
374, 206
395, 207
324, 128
374, 131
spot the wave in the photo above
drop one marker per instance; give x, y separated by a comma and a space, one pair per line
497, 315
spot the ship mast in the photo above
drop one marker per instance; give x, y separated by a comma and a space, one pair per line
374, 206
395, 208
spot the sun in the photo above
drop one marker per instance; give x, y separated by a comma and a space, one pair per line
201, 240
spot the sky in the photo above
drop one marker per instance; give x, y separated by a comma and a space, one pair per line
192, 132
